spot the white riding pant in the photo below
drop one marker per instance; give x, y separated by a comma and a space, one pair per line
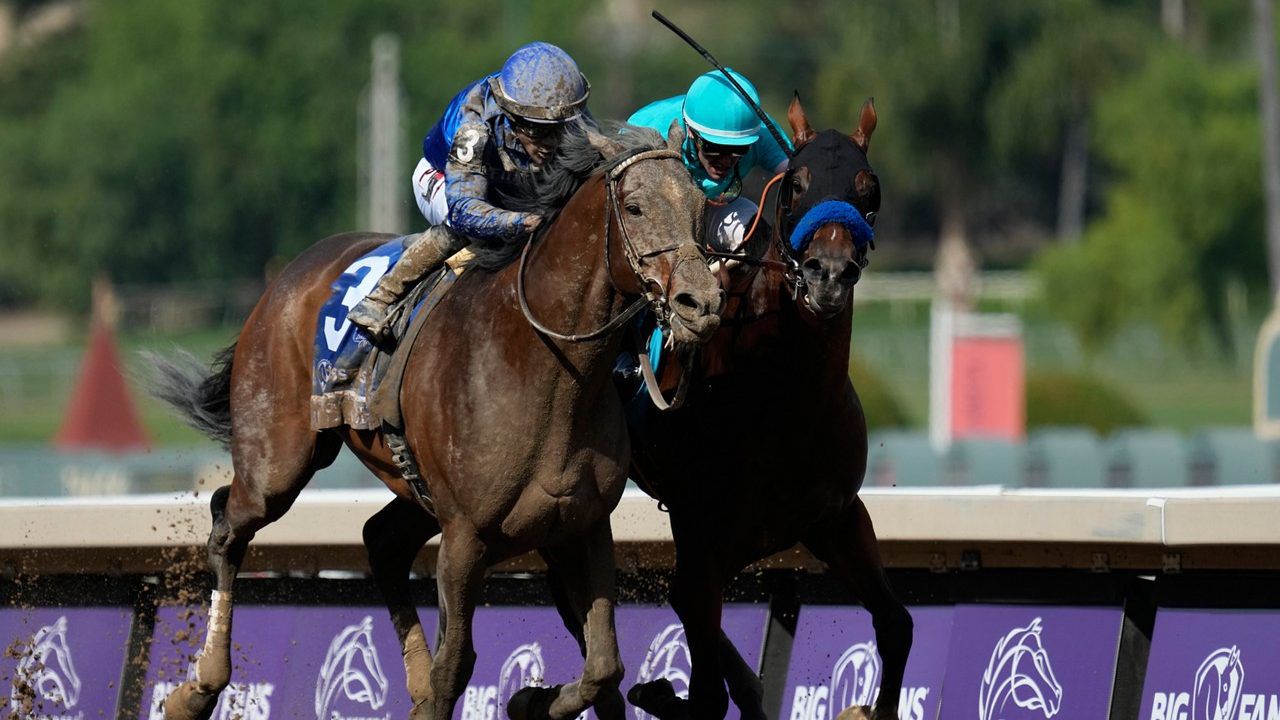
428, 190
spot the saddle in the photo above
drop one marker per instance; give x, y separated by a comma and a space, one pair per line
356, 382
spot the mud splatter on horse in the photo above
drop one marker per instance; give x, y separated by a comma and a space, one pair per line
520, 435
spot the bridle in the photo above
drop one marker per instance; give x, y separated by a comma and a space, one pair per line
789, 266
652, 291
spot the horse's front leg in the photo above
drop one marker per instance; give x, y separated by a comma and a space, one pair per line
847, 544
460, 577
584, 576
393, 538
745, 687
697, 597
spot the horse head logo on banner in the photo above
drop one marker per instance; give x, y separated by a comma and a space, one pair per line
351, 669
1019, 670
856, 677
667, 657
524, 667
1219, 685
47, 669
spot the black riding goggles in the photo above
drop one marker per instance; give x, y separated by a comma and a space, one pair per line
713, 151
536, 131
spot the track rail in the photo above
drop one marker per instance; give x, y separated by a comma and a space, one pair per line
936, 529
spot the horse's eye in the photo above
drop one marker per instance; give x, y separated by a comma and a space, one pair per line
633, 208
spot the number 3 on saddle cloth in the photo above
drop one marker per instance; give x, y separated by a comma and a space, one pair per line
347, 368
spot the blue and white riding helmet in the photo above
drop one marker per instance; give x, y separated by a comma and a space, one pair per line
540, 83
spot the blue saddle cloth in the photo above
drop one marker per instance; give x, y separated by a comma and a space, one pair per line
339, 343
344, 375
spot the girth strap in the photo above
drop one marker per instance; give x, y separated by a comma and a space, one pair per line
403, 458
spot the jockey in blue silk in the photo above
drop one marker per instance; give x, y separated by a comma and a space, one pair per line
724, 140
497, 127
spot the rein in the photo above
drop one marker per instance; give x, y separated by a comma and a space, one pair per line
789, 268
614, 171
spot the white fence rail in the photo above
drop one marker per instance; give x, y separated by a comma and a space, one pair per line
940, 529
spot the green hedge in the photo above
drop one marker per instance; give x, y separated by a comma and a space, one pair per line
1061, 398
882, 408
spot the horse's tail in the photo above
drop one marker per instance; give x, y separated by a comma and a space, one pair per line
202, 396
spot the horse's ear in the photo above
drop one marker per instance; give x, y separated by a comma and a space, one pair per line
603, 145
801, 133
866, 124
675, 136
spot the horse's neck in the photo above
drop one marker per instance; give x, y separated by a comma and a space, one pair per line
797, 343
567, 278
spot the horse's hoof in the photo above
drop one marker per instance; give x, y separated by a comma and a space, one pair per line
421, 710
532, 703
659, 699
188, 703
856, 712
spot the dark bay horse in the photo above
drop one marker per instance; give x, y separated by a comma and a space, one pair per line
520, 436
771, 446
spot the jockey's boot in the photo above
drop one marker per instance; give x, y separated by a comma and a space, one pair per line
424, 254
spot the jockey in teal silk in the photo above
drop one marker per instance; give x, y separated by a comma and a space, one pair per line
500, 126
723, 142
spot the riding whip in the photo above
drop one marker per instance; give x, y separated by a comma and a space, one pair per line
764, 119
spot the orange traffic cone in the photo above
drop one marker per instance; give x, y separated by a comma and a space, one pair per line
102, 414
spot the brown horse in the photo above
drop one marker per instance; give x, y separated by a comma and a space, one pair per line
518, 431
771, 446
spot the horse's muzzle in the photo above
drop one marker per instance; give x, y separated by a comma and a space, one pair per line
829, 282
696, 303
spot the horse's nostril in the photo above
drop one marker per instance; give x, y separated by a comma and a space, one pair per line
686, 300
852, 271
814, 270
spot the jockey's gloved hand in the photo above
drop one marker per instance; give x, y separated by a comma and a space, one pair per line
532, 222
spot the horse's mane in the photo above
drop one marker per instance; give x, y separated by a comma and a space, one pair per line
546, 192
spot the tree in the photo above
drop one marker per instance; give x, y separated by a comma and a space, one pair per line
1041, 106
178, 141
933, 67
1184, 215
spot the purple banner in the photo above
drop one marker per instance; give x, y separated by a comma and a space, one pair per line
835, 663
1213, 665
63, 663
345, 664
515, 647
1009, 662
653, 645
336, 663
521, 646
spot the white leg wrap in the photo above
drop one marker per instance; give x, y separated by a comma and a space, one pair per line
217, 636
220, 612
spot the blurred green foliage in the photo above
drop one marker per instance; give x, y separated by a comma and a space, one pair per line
174, 141
1184, 215
164, 141
881, 407
1063, 398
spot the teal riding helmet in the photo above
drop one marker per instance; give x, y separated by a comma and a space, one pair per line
714, 109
